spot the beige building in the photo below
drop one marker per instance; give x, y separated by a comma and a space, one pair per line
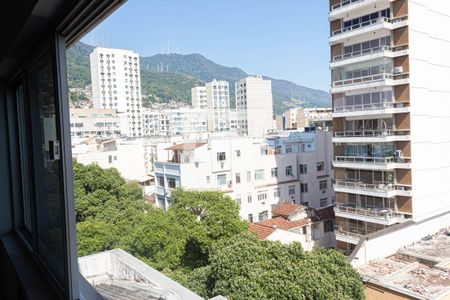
198, 97
298, 118
94, 122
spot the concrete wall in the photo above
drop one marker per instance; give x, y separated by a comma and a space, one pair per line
386, 242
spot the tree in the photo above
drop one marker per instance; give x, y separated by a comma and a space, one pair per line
245, 268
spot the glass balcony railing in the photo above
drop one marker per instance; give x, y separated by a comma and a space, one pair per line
371, 187
371, 160
367, 24
363, 79
381, 213
368, 51
344, 3
361, 107
371, 133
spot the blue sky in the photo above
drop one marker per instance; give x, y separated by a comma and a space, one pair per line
285, 39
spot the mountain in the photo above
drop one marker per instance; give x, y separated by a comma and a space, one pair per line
166, 77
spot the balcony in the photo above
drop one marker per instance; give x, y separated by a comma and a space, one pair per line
380, 189
371, 163
369, 81
378, 215
343, 8
370, 109
351, 234
381, 26
371, 136
368, 54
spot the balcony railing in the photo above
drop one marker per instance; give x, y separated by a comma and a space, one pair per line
371, 187
361, 25
352, 232
373, 212
371, 133
361, 107
368, 23
345, 3
371, 160
363, 79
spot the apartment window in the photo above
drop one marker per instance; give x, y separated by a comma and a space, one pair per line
288, 149
249, 176
208, 179
274, 172
250, 218
238, 153
288, 171
323, 184
259, 174
221, 179
320, 166
160, 180
303, 187
238, 200
323, 202
277, 193
303, 169
262, 196
263, 216
249, 198
238, 177
171, 183
220, 156
328, 226
291, 190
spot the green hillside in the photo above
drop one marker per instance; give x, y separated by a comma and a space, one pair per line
166, 77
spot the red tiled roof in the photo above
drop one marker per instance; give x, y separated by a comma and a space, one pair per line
265, 228
185, 146
323, 214
285, 209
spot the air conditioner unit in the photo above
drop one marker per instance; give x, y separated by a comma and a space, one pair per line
399, 153
398, 70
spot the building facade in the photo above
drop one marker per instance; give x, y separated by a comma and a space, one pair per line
256, 172
116, 84
198, 97
254, 106
94, 122
383, 56
218, 105
299, 118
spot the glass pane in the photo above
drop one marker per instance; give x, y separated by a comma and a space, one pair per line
21, 120
48, 169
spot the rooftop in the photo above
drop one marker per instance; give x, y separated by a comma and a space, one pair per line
265, 228
285, 209
420, 270
185, 146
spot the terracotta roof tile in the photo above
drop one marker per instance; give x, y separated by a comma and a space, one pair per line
265, 228
261, 231
323, 214
285, 209
185, 146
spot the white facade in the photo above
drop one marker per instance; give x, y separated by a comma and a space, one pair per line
256, 172
390, 146
218, 105
116, 84
254, 105
94, 122
173, 122
198, 97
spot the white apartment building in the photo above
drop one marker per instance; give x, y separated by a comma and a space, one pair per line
256, 172
94, 122
218, 105
234, 121
173, 122
116, 84
254, 106
198, 97
298, 118
390, 69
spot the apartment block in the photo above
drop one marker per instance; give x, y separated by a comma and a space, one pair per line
116, 84
254, 105
94, 122
218, 105
173, 122
256, 172
389, 71
299, 118
198, 97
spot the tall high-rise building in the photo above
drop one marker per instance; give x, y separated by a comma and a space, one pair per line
198, 97
254, 106
218, 105
116, 84
390, 69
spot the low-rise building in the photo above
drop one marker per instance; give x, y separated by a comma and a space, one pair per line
299, 118
94, 122
295, 223
256, 172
